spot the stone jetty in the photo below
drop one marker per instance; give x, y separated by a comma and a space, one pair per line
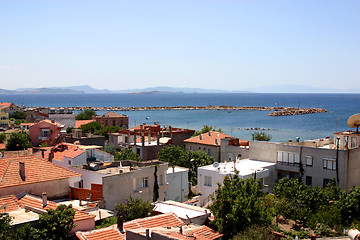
276, 111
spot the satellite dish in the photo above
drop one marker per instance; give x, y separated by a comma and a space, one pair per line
215, 164
354, 122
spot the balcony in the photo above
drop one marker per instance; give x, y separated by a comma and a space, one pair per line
294, 167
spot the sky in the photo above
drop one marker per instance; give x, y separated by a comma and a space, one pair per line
224, 44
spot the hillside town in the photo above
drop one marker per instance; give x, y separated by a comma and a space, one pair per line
165, 182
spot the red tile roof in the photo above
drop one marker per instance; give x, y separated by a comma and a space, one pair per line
109, 233
112, 232
204, 232
36, 202
4, 105
2, 146
162, 220
79, 123
65, 150
11, 201
26, 124
49, 122
37, 170
208, 138
111, 114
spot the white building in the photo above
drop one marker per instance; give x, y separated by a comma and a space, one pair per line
177, 178
210, 175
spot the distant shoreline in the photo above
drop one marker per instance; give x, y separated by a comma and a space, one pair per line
276, 111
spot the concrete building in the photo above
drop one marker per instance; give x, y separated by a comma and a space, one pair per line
232, 149
36, 115
184, 211
45, 131
159, 227
121, 180
317, 161
35, 175
25, 208
84, 138
4, 121
125, 138
210, 175
9, 108
210, 143
112, 119
177, 178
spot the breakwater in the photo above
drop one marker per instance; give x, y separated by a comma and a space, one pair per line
276, 111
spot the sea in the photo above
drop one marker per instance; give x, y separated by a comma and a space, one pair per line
237, 123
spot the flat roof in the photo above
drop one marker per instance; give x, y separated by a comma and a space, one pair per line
176, 169
245, 167
181, 211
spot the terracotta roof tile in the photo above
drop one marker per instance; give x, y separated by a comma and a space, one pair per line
37, 169
162, 220
26, 124
109, 233
204, 232
36, 202
208, 138
2, 145
47, 121
66, 150
11, 201
79, 123
111, 114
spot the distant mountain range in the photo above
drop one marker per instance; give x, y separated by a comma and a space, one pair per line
159, 90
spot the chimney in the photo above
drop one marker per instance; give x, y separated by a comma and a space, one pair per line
141, 127
216, 141
44, 198
209, 133
181, 230
142, 139
22, 170
120, 222
200, 136
52, 121
147, 233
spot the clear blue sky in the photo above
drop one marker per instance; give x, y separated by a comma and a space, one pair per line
209, 44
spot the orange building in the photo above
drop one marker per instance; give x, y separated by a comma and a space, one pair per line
110, 119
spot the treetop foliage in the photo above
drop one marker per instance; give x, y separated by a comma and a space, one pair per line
134, 208
261, 136
18, 141
206, 129
86, 114
178, 156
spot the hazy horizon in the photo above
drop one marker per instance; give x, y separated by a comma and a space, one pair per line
229, 45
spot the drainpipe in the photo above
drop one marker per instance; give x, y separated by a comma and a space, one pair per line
337, 160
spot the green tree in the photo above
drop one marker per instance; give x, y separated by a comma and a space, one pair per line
2, 137
91, 127
69, 130
351, 206
18, 115
56, 224
178, 156
6, 231
206, 129
110, 148
134, 208
86, 114
105, 130
261, 136
239, 204
18, 141
126, 154
156, 184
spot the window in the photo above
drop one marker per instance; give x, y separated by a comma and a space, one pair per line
208, 181
69, 162
346, 141
145, 182
209, 151
230, 157
288, 158
329, 163
191, 148
326, 182
309, 181
114, 122
199, 148
353, 142
160, 179
45, 132
309, 161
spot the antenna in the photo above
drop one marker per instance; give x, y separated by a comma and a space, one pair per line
354, 122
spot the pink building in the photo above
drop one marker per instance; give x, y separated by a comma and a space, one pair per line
45, 131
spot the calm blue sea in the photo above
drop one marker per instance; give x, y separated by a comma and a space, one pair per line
340, 107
